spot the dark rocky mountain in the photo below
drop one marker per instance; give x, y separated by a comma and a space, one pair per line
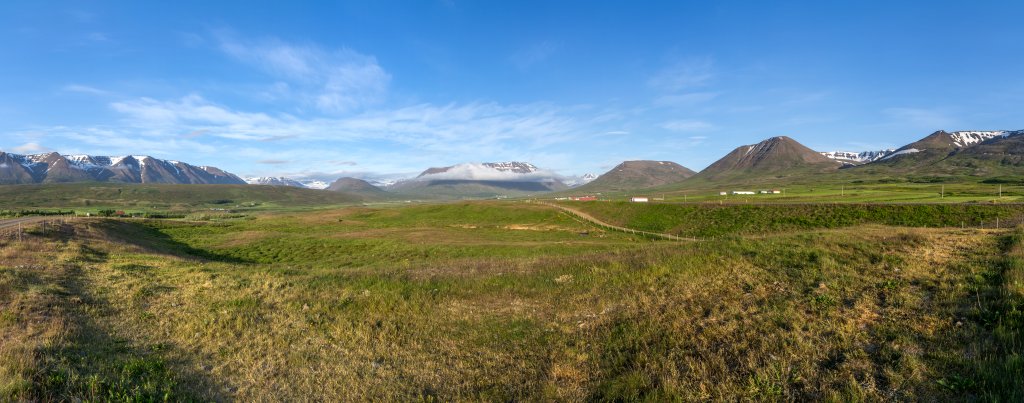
994, 156
971, 153
775, 157
356, 186
56, 168
13, 171
632, 175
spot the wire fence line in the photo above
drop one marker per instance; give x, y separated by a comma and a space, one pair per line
988, 223
16, 228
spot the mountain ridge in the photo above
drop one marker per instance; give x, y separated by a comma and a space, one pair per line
57, 168
356, 186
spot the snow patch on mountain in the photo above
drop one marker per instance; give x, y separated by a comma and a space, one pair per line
901, 152
863, 157
968, 138
579, 180
314, 184
274, 181
384, 183
490, 171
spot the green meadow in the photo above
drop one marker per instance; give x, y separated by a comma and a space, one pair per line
840, 189
518, 301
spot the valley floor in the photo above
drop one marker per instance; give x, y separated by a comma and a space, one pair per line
506, 301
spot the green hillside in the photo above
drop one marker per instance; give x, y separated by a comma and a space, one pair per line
165, 197
490, 301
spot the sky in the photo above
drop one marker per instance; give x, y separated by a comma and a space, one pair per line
382, 89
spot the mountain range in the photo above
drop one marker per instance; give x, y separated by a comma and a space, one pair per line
356, 186
55, 168
939, 155
282, 181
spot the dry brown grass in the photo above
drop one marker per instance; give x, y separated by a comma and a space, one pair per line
865, 313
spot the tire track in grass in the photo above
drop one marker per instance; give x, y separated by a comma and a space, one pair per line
589, 218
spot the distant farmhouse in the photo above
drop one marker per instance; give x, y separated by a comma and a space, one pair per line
749, 192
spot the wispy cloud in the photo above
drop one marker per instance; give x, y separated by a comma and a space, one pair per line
85, 89
273, 162
415, 134
194, 115
30, 148
332, 80
122, 141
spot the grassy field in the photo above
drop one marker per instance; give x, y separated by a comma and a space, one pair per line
840, 190
508, 301
93, 197
704, 220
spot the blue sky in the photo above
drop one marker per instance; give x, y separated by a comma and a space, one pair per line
378, 89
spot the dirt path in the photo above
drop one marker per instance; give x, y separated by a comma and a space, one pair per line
592, 220
14, 222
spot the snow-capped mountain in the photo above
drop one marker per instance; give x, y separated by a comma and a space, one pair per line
482, 171
955, 140
314, 184
969, 138
54, 167
384, 183
487, 179
857, 158
274, 181
513, 166
580, 180
493, 171
283, 181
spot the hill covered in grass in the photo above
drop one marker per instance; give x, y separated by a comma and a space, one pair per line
503, 301
708, 220
165, 197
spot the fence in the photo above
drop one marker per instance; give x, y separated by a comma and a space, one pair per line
16, 229
1016, 220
